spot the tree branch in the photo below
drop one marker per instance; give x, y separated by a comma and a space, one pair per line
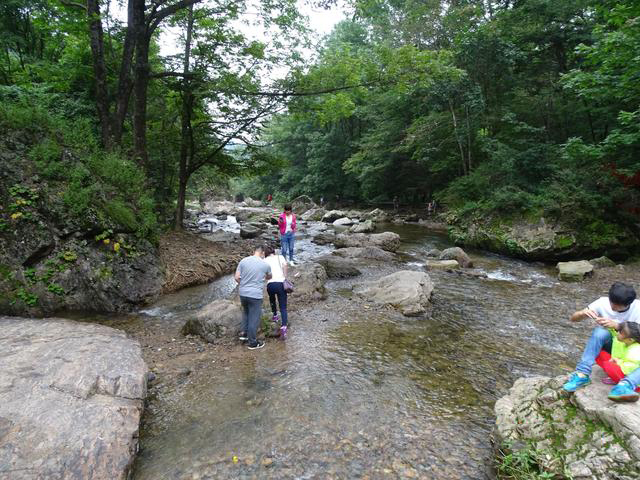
68, 3
156, 17
299, 94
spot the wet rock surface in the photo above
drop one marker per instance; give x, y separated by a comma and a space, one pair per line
406, 290
71, 399
456, 253
584, 435
388, 241
220, 318
574, 271
338, 267
367, 253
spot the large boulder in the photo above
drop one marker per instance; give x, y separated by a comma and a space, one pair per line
324, 238
308, 280
313, 214
301, 204
333, 215
376, 215
250, 202
365, 227
249, 231
574, 271
220, 318
71, 398
388, 241
583, 436
542, 239
368, 253
407, 290
456, 253
602, 262
338, 267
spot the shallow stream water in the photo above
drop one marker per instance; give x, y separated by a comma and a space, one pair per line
359, 391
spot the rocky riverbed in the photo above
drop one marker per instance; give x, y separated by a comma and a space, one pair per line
359, 389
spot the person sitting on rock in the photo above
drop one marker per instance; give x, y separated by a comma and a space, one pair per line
608, 312
625, 353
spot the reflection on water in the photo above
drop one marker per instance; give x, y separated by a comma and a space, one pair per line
361, 391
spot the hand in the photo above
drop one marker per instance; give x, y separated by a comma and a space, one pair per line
606, 322
590, 313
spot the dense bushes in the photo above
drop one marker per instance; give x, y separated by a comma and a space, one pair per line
93, 185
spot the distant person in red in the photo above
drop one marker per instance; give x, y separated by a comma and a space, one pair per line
269, 198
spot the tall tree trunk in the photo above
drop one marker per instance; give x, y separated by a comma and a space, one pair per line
99, 69
455, 131
141, 83
466, 110
187, 111
125, 82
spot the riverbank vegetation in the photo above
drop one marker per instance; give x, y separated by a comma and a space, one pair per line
499, 110
495, 109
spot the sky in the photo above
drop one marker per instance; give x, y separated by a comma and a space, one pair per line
320, 20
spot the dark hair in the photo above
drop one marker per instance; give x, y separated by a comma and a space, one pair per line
633, 328
622, 294
259, 248
287, 207
268, 250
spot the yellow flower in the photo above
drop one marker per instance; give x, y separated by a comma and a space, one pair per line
116, 246
16, 215
106, 241
234, 459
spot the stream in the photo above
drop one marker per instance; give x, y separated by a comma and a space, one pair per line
360, 391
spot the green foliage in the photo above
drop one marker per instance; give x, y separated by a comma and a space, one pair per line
521, 464
95, 184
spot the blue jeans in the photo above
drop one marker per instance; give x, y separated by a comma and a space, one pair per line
601, 339
251, 310
277, 289
286, 244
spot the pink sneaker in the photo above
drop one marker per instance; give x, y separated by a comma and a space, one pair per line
283, 332
608, 381
275, 318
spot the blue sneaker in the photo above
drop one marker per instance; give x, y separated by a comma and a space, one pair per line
576, 381
623, 392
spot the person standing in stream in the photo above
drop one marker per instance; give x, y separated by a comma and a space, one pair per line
251, 274
287, 226
275, 288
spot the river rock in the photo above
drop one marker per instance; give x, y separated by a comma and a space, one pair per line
365, 227
308, 279
220, 318
338, 267
333, 215
71, 398
221, 236
388, 241
342, 222
433, 253
602, 262
324, 238
368, 253
574, 271
249, 231
442, 264
583, 436
407, 290
376, 215
301, 204
456, 253
313, 214
250, 202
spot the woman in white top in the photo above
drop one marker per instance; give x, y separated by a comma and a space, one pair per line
275, 287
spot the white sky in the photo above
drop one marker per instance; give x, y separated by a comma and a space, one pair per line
320, 20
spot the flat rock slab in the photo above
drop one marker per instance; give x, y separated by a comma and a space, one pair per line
582, 436
71, 398
408, 291
574, 271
